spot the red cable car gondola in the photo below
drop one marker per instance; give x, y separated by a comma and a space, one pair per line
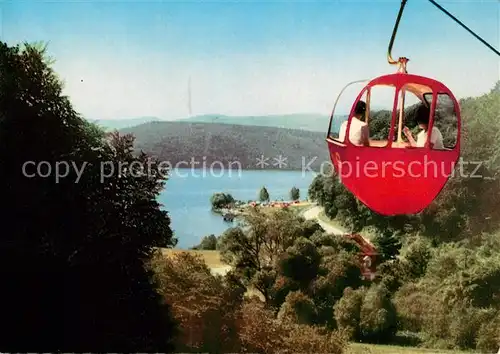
390, 176
402, 178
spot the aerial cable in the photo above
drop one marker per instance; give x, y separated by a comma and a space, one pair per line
464, 26
402, 61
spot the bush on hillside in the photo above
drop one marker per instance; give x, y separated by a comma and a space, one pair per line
339, 270
300, 262
488, 336
348, 311
262, 333
298, 308
456, 296
378, 316
205, 306
208, 243
416, 258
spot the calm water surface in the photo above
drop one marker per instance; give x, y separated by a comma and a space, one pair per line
187, 197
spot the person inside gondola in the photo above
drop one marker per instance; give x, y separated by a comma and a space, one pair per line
436, 140
359, 133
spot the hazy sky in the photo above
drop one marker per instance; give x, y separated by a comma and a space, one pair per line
247, 57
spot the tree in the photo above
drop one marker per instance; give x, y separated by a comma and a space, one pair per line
253, 249
466, 207
298, 308
387, 245
215, 318
279, 253
256, 247
300, 262
262, 333
73, 249
416, 258
315, 189
348, 311
340, 268
456, 300
392, 274
338, 202
221, 200
294, 193
263, 195
206, 307
488, 336
378, 316
207, 243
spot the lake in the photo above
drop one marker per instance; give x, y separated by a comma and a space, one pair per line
187, 197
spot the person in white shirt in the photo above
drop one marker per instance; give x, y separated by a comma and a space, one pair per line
359, 133
436, 140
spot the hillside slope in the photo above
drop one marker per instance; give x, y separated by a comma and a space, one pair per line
177, 142
112, 124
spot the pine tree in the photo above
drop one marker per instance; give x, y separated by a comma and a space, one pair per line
388, 246
263, 195
294, 193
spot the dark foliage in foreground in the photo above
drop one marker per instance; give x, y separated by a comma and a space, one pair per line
72, 251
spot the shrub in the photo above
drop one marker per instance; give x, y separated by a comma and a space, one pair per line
348, 311
378, 317
205, 306
262, 333
298, 308
488, 336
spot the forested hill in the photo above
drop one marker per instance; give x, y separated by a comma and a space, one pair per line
312, 122
112, 124
182, 141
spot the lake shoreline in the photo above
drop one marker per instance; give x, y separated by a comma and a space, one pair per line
187, 193
207, 173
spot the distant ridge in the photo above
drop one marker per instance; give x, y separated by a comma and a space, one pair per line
112, 124
304, 121
222, 144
